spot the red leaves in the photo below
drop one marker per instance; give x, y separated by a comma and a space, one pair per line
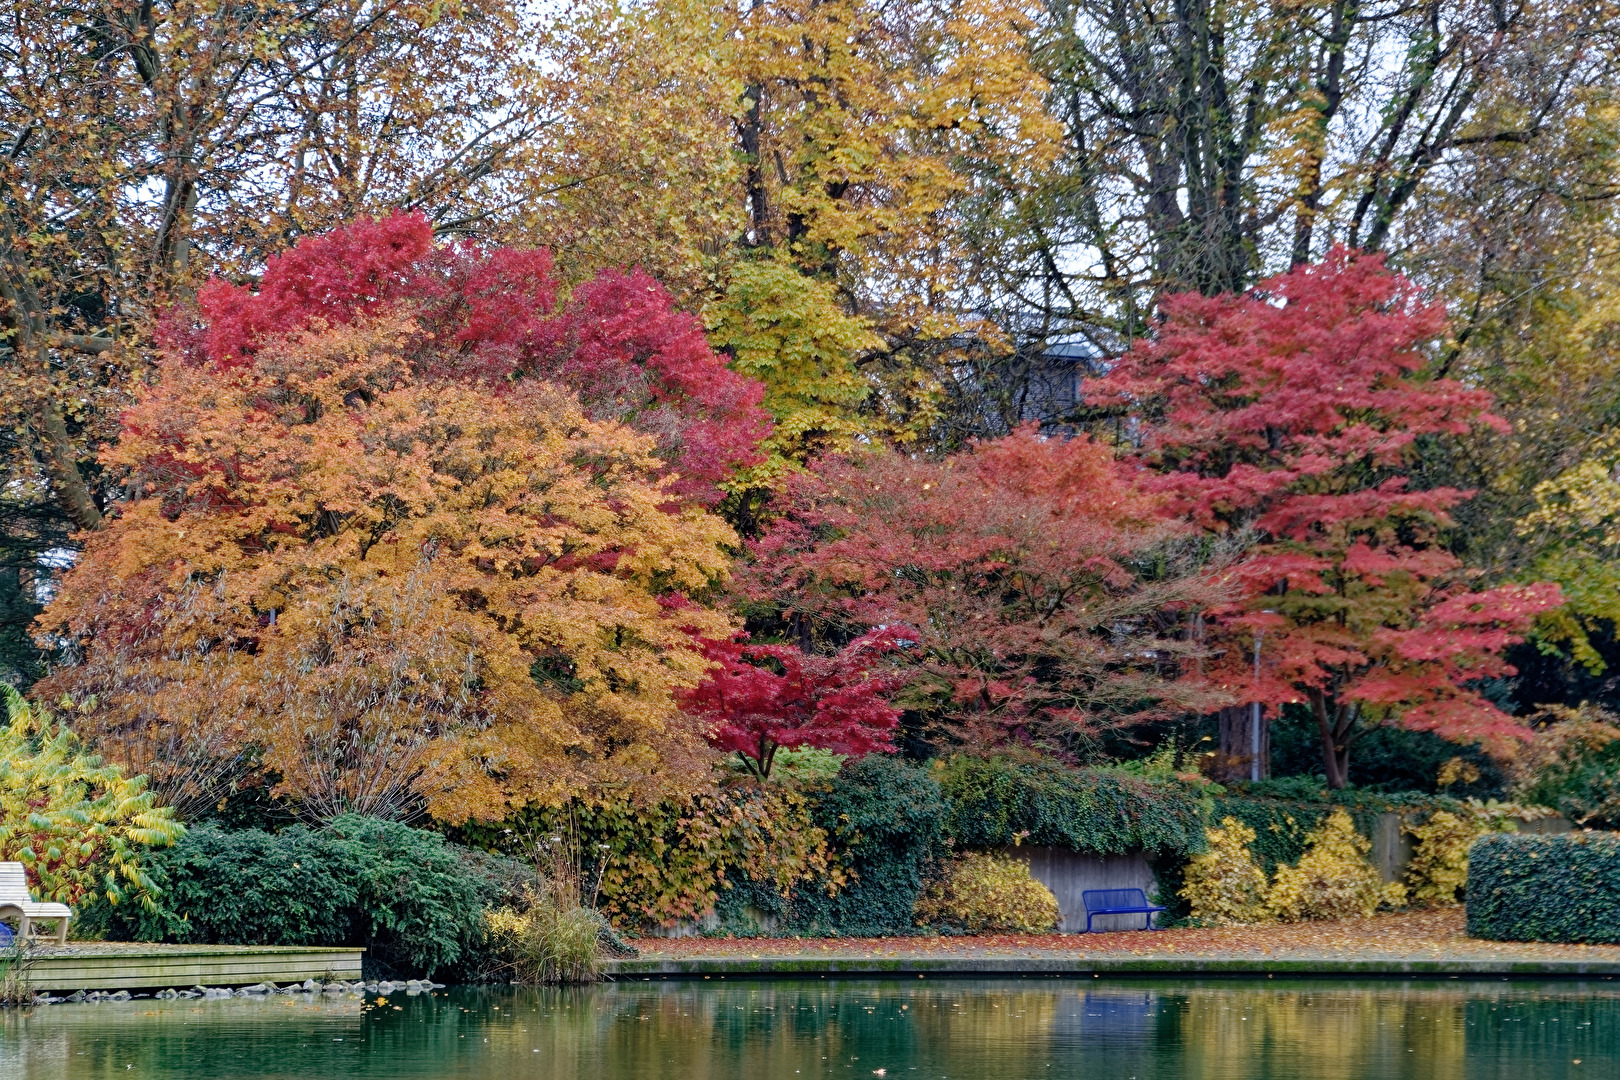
493, 316
1015, 563
762, 697
1292, 410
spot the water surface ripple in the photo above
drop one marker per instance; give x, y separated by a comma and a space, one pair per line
1020, 1029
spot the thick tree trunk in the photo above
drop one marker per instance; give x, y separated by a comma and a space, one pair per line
1237, 757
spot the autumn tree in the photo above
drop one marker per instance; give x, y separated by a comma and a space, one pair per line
391, 535
149, 145
1293, 413
817, 155
1205, 146
1044, 597
494, 315
758, 699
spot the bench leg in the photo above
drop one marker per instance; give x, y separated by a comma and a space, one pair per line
61, 930
22, 928
1088, 922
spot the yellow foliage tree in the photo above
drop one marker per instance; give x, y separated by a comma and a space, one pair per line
1224, 885
790, 332
77, 824
729, 148
390, 593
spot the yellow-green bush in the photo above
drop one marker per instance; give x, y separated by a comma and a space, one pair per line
989, 892
672, 860
78, 825
1439, 866
552, 938
1333, 879
1224, 885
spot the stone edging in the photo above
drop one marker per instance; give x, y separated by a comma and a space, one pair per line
1073, 967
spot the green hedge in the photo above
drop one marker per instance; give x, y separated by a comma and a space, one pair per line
1545, 888
990, 802
413, 900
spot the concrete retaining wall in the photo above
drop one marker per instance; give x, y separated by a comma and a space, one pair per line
1068, 874
1393, 847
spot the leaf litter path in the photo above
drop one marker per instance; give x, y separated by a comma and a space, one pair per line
1416, 935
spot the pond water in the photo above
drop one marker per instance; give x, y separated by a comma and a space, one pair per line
935, 1028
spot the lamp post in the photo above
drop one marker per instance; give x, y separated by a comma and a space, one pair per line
1254, 715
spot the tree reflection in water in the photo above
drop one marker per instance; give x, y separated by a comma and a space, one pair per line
714, 1030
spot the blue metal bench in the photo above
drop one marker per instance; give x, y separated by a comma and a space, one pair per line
1118, 902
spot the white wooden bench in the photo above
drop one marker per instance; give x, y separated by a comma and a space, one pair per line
15, 900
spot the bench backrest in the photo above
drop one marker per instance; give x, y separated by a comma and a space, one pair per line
13, 884
1097, 899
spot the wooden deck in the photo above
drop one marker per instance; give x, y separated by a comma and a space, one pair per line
110, 966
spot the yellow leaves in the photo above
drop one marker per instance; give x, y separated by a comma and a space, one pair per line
77, 824
989, 892
1333, 879
1224, 885
790, 332
1439, 866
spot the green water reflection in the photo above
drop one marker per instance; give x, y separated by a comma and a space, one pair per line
960, 1030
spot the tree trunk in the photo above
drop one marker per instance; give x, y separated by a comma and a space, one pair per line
1236, 757
61, 463
1332, 726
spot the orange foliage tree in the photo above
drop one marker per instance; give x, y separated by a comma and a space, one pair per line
387, 584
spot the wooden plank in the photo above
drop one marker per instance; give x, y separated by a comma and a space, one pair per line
156, 968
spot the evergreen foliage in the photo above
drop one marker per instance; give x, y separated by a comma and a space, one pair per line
992, 802
1545, 888
413, 900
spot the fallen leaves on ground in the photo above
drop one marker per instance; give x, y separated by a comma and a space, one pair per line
1434, 934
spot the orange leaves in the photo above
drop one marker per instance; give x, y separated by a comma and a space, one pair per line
398, 592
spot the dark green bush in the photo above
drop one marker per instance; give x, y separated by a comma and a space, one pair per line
882, 815
413, 900
992, 802
1545, 888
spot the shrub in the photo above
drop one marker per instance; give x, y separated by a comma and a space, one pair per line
993, 802
1223, 885
1438, 870
1545, 888
412, 899
552, 938
80, 827
675, 859
882, 816
1573, 766
1333, 879
989, 892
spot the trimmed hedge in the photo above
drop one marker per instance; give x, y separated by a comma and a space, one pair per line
413, 900
1545, 888
992, 802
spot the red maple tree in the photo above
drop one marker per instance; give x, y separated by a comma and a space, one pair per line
762, 698
1293, 412
1044, 593
494, 316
